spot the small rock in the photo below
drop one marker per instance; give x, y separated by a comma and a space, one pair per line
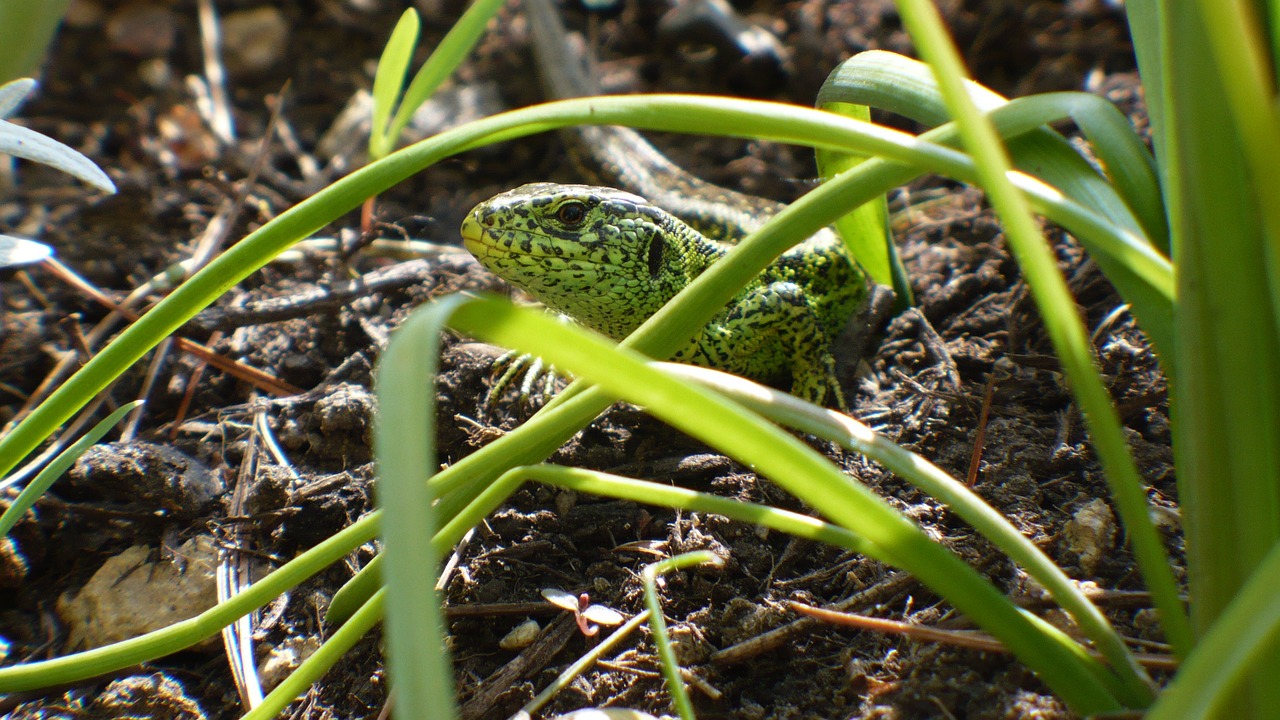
285, 658
269, 491
688, 644
153, 696
341, 426
83, 14
1091, 533
254, 40
348, 409
141, 29
1147, 623
139, 696
521, 636
131, 595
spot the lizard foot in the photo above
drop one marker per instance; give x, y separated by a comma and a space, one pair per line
537, 384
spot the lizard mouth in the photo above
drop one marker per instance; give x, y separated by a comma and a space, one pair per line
481, 241
474, 238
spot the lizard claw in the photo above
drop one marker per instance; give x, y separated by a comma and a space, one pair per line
538, 381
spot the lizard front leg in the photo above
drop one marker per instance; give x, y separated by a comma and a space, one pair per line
770, 330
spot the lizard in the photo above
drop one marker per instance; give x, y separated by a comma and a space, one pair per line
609, 258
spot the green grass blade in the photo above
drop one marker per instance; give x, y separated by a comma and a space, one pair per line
853, 435
447, 56
866, 231
594, 482
355, 592
393, 68
1238, 39
1226, 403
1233, 648
1057, 309
1141, 275
420, 673
1271, 20
26, 29
1144, 29
791, 464
903, 86
51, 472
658, 112
658, 624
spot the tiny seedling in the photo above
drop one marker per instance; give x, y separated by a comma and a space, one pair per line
589, 616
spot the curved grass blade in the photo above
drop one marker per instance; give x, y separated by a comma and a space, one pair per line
1229, 652
786, 461
775, 121
1062, 323
903, 86
906, 87
852, 435
658, 623
54, 470
865, 230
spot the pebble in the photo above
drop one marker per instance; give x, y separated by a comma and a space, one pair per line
142, 30
254, 40
133, 594
82, 14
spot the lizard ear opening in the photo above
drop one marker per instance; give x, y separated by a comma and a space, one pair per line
656, 245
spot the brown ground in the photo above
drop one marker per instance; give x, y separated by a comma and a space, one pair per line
1036, 465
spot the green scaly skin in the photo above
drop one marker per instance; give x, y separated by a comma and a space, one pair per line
609, 259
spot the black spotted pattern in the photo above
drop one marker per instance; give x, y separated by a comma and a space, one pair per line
609, 260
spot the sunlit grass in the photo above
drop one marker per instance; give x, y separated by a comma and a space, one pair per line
1211, 313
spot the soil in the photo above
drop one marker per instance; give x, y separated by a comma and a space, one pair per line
987, 401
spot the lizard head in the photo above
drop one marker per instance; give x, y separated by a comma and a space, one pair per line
606, 258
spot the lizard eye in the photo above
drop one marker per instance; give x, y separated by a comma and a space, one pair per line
572, 213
